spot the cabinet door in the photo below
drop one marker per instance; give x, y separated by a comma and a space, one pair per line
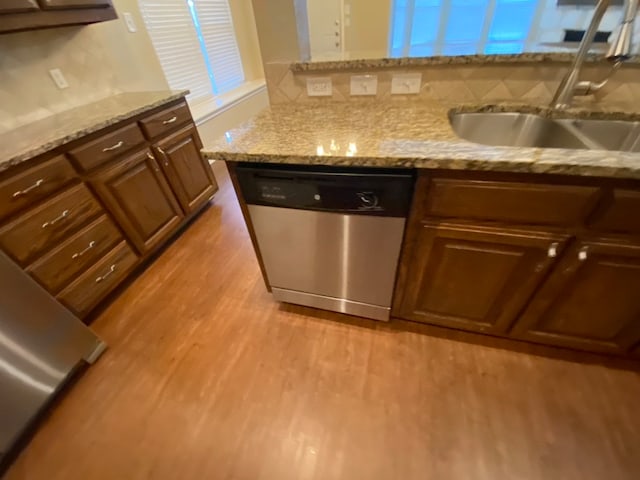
16, 6
474, 278
590, 302
55, 4
190, 175
137, 194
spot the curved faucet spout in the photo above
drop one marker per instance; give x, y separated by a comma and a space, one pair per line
619, 51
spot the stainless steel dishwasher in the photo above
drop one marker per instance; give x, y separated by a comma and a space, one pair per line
329, 237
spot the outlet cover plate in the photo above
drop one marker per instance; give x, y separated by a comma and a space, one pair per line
58, 78
364, 84
406, 83
128, 20
319, 87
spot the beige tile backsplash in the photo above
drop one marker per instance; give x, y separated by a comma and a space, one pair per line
97, 61
463, 83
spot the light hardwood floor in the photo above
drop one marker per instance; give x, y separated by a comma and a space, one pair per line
208, 378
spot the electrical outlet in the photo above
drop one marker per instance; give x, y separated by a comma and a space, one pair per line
406, 83
364, 84
58, 78
128, 20
319, 87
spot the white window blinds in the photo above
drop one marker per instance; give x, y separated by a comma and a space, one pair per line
220, 43
196, 44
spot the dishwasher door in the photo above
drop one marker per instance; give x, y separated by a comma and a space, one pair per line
337, 261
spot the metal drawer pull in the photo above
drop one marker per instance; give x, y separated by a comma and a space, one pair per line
583, 254
553, 250
57, 219
155, 165
113, 147
104, 277
28, 189
92, 244
171, 120
164, 154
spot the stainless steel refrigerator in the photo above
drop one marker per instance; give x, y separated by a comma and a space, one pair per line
41, 345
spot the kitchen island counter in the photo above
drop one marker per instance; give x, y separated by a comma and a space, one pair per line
407, 134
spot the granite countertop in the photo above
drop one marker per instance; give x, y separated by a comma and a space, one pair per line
405, 62
405, 134
29, 141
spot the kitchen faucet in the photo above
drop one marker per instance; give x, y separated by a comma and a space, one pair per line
619, 51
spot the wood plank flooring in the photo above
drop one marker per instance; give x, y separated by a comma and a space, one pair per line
208, 378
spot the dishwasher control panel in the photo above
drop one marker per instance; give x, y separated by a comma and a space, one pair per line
375, 193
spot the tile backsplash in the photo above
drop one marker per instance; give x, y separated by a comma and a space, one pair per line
530, 83
97, 61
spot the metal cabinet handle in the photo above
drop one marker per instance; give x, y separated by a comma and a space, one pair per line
155, 165
552, 252
103, 277
57, 219
164, 154
171, 120
92, 244
583, 254
113, 147
19, 193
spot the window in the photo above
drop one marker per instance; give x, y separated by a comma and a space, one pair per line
460, 27
196, 45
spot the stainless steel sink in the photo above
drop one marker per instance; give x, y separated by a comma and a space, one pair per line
609, 134
529, 130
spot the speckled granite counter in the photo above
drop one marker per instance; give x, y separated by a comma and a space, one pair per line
402, 134
31, 140
406, 62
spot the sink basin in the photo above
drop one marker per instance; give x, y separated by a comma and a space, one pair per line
529, 130
609, 134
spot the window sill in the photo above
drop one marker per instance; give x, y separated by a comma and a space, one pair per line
208, 108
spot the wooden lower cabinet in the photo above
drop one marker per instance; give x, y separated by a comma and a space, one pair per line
189, 174
471, 277
75, 255
137, 194
31, 235
94, 284
591, 301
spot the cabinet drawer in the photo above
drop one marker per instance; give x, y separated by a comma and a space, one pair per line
42, 228
26, 188
74, 256
166, 120
103, 149
93, 285
511, 202
620, 213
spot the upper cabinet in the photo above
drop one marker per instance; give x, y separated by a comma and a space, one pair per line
50, 4
20, 15
14, 6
